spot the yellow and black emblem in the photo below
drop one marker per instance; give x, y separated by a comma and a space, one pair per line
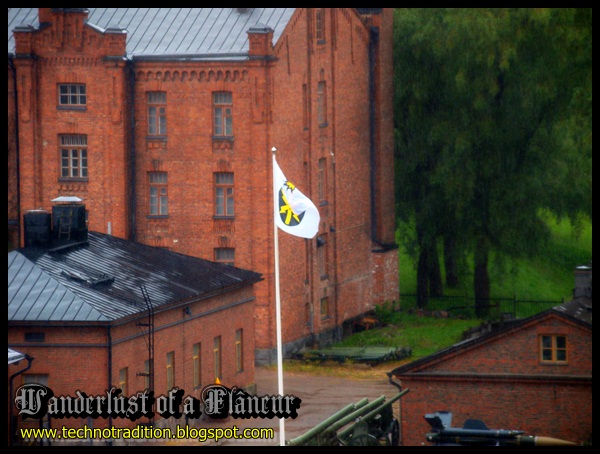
288, 215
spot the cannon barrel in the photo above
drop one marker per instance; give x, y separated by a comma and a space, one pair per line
320, 428
355, 415
346, 432
327, 431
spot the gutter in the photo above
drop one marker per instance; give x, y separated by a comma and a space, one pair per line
12, 419
132, 157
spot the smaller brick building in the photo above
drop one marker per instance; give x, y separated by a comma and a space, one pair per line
533, 375
93, 312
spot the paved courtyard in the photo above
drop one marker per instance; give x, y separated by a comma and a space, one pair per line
322, 397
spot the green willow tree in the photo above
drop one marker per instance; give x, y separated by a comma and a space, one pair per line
493, 126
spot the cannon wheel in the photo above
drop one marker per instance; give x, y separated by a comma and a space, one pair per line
395, 432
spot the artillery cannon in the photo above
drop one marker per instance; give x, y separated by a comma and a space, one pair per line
476, 433
363, 423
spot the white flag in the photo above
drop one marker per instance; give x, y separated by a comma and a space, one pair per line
294, 213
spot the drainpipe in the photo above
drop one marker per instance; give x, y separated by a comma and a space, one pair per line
109, 370
373, 43
17, 148
11, 422
373, 49
132, 157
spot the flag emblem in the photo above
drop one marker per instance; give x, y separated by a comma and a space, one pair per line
294, 212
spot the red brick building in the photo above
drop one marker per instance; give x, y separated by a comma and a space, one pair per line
163, 120
533, 375
80, 313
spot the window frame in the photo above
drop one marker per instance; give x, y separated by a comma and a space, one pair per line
223, 114
170, 371
217, 357
239, 350
322, 103
224, 191
76, 92
320, 25
322, 181
159, 209
228, 259
554, 349
322, 258
197, 361
73, 155
156, 114
324, 308
123, 380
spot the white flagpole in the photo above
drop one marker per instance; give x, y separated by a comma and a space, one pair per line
278, 314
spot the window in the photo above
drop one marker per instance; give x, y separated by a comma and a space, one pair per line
553, 349
324, 308
72, 95
159, 196
239, 350
225, 255
224, 194
35, 337
157, 114
197, 360
322, 103
322, 256
170, 371
123, 373
217, 357
38, 379
320, 25
147, 374
305, 106
322, 180
73, 157
223, 105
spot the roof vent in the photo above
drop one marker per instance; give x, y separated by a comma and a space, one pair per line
243, 10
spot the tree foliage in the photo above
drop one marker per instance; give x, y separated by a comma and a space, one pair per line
493, 126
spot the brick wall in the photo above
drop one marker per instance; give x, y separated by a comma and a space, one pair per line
69, 52
503, 383
544, 408
275, 104
78, 358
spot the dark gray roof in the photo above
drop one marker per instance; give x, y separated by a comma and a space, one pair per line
215, 33
578, 310
102, 280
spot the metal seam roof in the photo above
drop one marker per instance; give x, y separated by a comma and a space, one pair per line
34, 295
175, 32
101, 281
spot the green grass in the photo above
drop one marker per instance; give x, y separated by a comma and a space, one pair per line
423, 335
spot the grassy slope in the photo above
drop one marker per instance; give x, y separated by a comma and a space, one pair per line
548, 276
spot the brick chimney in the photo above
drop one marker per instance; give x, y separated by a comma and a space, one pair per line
47, 15
261, 41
